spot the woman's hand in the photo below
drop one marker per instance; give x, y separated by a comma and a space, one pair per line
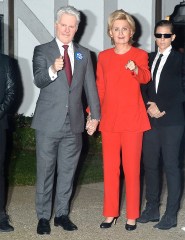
91, 126
154, 111
132, 66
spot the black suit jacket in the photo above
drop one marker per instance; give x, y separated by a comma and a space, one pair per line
7, 88
170, 95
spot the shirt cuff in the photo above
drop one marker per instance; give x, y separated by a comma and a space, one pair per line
52, 75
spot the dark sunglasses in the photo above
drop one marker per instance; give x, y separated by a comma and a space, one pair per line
166, 35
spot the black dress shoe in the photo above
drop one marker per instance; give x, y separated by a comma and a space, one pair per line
150, 214
43, 226
65, 222
166, 222
129, 227
108, 224
5, 225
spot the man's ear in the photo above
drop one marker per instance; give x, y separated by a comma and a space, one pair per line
173, 37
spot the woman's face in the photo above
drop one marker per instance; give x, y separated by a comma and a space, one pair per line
164, 37
121, 32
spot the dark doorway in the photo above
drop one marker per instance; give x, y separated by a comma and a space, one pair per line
178, 19
1, 33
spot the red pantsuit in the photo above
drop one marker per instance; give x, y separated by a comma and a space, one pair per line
130, 143
123, 121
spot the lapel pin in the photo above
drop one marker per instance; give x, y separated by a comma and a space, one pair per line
78, 56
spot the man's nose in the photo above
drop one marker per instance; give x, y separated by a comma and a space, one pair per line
67, 29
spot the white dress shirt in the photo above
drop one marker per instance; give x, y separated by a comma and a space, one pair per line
52, 75
161, 65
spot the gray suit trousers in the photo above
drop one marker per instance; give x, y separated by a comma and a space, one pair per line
61, 150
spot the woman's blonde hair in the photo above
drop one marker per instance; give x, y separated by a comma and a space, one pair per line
120, 15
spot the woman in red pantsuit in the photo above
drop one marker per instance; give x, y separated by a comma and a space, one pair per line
120, 71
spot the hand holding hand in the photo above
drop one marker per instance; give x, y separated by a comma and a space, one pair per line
58, 64
154, 111
91, 125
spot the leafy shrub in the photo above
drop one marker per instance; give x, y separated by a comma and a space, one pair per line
22, 169
24, 136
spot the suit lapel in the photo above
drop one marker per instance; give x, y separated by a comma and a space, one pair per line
55, 52
77, 64
165, 70
151, 59
53, 48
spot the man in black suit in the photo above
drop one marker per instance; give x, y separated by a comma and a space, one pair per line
7, 93
164, 99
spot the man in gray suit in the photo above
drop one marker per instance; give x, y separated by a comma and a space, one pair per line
59, 117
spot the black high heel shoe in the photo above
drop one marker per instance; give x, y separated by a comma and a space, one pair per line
129, 227
108, 224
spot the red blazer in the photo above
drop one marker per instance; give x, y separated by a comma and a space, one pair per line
122, 106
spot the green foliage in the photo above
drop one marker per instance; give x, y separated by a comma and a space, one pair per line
22, 121
22, 170
23, 136
90, 170
95, 143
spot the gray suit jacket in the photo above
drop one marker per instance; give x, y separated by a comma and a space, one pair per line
56, 97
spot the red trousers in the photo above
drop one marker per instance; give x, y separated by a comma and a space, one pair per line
130, 144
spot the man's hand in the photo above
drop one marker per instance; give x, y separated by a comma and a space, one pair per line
58, 64
154, 111
91, 125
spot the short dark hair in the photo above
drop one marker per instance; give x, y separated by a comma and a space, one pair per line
164, 23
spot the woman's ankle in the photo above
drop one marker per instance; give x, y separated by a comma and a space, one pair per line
131, 221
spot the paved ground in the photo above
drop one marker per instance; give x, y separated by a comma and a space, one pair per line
86, 213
